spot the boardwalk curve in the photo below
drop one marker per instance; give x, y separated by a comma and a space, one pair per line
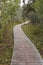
24, 52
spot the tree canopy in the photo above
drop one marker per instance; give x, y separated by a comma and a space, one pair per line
8, 8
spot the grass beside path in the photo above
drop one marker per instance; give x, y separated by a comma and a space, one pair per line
6, 46
35, 33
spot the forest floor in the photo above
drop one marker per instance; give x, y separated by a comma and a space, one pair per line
6, 46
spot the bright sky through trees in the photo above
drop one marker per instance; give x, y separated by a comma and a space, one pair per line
26, 1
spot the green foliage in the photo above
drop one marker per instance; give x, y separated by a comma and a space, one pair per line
34, 18
38, 6
7, 12
9, 9
35, 33
27, 8
0, 37
6, 47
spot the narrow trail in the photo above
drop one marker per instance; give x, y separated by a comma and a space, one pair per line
24, 53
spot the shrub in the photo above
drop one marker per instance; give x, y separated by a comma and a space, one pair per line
0, 37
33, 17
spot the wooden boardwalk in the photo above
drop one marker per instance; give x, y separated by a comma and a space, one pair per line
24, 53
